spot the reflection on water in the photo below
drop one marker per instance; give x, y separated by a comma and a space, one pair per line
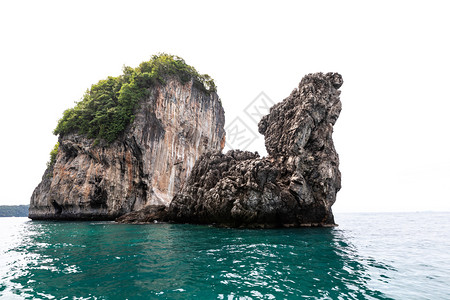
104, 260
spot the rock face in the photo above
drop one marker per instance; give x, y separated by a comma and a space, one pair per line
148, 214
295, 185
145, 166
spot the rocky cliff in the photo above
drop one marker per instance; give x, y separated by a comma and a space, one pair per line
146, 165
295, 185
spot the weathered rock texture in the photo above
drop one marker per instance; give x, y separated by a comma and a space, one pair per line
145, 166
148, 214
295, 185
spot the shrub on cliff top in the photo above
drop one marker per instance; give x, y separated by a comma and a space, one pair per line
53, 154
108, 107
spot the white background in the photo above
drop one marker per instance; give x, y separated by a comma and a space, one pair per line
393, 133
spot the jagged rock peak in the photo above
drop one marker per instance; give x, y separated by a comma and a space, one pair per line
295, 185
288, 127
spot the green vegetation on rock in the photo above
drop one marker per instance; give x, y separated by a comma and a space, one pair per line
108, 107
53, 154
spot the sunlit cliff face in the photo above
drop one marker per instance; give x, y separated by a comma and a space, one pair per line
173, 126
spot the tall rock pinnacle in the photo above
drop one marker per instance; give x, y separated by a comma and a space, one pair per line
295, 185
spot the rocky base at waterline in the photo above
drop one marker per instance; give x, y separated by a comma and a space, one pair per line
240, 189
294, 186
149, 214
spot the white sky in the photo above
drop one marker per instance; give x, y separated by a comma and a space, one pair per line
393, 133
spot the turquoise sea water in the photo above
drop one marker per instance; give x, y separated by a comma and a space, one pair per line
369, 256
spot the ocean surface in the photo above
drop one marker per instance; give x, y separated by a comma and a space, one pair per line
369, 256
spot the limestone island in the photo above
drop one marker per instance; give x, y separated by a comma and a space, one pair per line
146, 146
